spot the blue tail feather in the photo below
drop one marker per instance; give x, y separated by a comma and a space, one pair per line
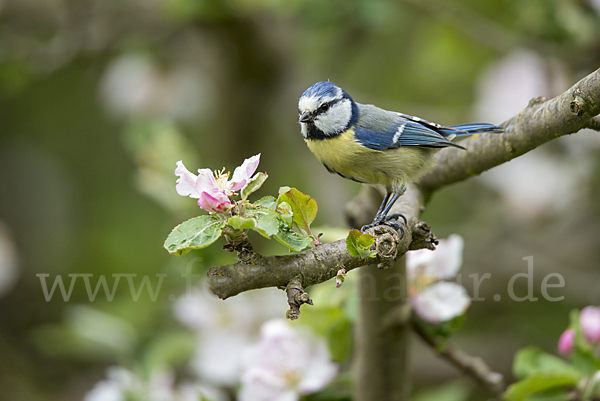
471, 129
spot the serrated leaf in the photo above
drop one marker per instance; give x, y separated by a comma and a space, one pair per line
196, 233
254, 184
241, 223
267, 222
283, 190
359, 244
267, 201
536, 384
285, 211
304, 208
531, 360
296, 242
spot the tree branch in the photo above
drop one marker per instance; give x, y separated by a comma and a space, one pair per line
470, 365
313, 266
541, 121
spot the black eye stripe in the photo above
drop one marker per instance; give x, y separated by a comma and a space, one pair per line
329, 103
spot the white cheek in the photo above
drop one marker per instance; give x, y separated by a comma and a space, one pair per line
336, 118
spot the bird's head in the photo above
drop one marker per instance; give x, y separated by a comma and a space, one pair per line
326, 110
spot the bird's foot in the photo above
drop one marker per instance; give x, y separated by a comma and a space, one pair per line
388, 221
395, 217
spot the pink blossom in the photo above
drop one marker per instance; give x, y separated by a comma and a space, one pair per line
565, 342
589, 319
213, 190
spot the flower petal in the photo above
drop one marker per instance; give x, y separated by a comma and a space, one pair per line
206, 181
440, 302
589, 319
242, 174
216, 201
186, 183
441, 264
320, 371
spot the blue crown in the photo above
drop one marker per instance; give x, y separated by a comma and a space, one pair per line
324, 89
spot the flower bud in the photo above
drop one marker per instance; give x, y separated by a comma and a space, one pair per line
565, 342
589, 319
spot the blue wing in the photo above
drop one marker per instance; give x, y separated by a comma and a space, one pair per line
380, 129
402, 132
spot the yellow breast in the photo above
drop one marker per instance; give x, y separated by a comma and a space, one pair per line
392, 168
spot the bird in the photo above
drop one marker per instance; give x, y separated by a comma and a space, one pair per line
370, 145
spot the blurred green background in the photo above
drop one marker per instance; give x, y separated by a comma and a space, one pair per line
100, 98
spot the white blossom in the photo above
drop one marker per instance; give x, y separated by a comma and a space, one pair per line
537, 184
441, 264
441, 301
286, 364
434, 300
123, 385
226, 328
134, 85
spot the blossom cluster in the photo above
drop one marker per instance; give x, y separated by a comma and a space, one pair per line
589, 321
214, 190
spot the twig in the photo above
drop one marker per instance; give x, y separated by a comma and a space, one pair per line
473, 366
296, 297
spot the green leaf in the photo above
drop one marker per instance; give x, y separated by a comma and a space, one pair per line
267, 222
585, 362
296, 242
530, 361
285, 211
241, 223
304, 208
283, 190
254, 184
196, 233
267, 201
538, 383
583, 358
359, 244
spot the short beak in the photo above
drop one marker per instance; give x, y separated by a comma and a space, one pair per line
306, 117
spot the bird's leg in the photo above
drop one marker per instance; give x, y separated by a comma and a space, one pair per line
382, 207
382, 217
389, 220
394, 216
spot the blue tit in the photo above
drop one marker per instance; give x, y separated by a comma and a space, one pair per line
370, 145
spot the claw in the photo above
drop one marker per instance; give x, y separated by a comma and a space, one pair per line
371, 225
395, 217
388, 221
